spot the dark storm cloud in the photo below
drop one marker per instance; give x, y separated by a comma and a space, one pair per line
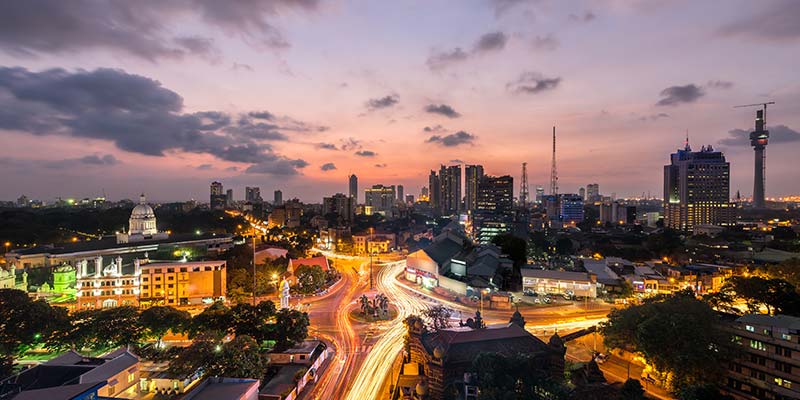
383, 165
778, 21
204, 167
719, 84
95, 159
442, 109
328, 166
777, 134
382, 102
327, 146
533, 82
137, 28
366, 153
90, 160
442, 59
490, 42
675, 95
454, 139
147, 119
545, 43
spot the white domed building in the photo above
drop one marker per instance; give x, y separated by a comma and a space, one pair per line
141, 225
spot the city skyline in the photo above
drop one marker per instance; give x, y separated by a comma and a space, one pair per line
298, 96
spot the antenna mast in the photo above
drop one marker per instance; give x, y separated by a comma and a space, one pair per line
524, 194
553, 171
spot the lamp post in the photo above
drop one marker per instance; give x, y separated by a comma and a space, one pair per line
7, 244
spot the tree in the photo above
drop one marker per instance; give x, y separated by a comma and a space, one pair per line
310, 278
776, 295
678, 335
200, 354
241, 358
631, 390
159, 320
514, 247
788, 270
25, 323
252, 321
214, 321
564, 246
290, 327
438, 317
515, 377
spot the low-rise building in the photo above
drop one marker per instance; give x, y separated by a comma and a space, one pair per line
769, 363
294, 263
543, 281
215, 388
182, 283
375, 243
106, 376
297, 367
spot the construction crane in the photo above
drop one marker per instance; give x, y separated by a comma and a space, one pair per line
756, 105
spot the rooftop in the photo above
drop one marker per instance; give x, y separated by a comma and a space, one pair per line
111, 243
777, 321
558, 275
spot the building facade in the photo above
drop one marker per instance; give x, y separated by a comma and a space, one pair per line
218, 198
381, 198
571, 208
473, 175
341, 205
182, 283
494, 207
450, 190
697, 189
769, 363
353, 186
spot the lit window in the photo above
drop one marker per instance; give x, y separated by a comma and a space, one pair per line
749, 328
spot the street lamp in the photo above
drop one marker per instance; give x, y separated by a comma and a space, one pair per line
482, 291
7, 244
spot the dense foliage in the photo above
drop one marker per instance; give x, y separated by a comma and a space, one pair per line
678, 335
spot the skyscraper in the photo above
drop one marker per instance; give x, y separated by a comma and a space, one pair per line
218, 198
341, 205
571, 208
582, 193
758, 139
278, 200
494, 207
450, 189
473, 175
380, 197
697, 189
539, 194
252, 194
434, 191
592, 192
400, 193
229, 197
354, 187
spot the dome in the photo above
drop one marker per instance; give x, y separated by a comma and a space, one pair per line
143, 219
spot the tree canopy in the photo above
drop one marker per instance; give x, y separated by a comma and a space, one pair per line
679, 335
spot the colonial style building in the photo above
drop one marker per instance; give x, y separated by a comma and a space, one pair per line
440, 362
182, 283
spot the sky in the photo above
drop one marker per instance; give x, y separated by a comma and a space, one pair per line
121, 97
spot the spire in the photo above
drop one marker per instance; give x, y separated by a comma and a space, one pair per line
686, 143
142, 199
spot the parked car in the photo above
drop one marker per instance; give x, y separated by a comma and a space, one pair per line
600, 358
529, 292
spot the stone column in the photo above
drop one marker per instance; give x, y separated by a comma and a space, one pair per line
137, 267
119, 265
98, 266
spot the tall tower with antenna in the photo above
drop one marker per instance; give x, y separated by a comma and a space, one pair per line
759, 139
553, 171
524, 194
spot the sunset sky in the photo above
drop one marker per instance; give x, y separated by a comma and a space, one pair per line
163, 97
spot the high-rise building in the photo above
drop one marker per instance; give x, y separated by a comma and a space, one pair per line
409, 199
253, 194
539, 194
592, 192
571, 208
229, 197
218, 198
380, 197
450, 189
435, 191
341, 205
278, 198
582, 193
758, 139
473, 175
354, 187
494, 207
400, 194
697, 189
